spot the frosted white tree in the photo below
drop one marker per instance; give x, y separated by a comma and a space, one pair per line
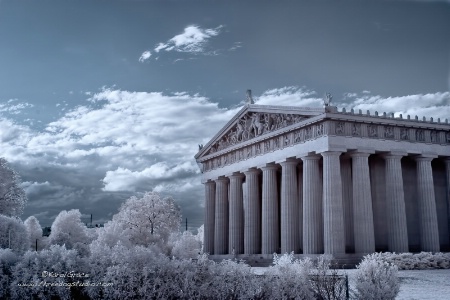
34, 230
67, 229
12, 196
376, 279
185, 246
148, 220
13, 234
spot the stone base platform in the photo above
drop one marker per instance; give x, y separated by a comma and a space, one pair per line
341, 261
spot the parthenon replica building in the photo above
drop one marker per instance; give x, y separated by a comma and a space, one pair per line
321, 180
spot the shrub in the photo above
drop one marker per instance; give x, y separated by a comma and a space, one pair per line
7, 261
326, 282
47, 273
288, 278
376, 279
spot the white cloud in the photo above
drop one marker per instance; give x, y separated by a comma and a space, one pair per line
235, 46
436, 105
14, 107
144, 56
289, 96
193, 40
125, 179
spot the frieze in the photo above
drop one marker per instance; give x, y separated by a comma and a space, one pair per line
391, 132
434, 136
254, 124
340, 128
372, 130
388, 132
356, 129
420, 135
310, 132
287, 140
404, 134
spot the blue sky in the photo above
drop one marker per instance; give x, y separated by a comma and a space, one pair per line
103, 99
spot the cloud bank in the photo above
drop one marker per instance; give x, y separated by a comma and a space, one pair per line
123, 142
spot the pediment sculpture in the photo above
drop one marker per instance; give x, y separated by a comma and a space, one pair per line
254, 124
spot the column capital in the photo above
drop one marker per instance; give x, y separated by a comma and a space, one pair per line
289, 162
222, 179
270, 166
359, 154
310, 157
330, 153
423, 158
210, 182
252, 171
236, 175
393, 155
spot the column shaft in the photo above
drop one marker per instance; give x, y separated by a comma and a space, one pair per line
395, 204
447, 169
300, 205
333, 214
362, 204
347, 202
429, 232
236, 225
289, 207
252, 213
312, 206
221, 217
208, 240
270, 211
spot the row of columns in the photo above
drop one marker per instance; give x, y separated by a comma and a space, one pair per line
315, 198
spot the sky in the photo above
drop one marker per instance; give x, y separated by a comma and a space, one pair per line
102, 100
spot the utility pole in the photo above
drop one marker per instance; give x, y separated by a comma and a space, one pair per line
91, 220
186, 224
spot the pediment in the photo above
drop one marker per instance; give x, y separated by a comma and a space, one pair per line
254, 121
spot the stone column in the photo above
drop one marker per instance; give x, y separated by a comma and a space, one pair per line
208, 239
221, 222
236, 226
429, 232
362, 204
270, 219
347, 202
312, 206
300, 205
289, 207
252, 213
333, 211
395, 204
447, 169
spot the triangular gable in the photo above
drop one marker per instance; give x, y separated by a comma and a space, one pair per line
253, 121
